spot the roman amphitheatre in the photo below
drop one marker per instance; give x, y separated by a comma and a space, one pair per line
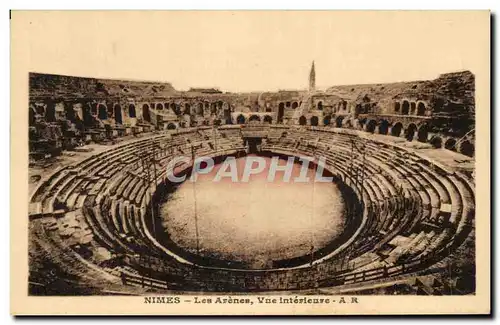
398, 216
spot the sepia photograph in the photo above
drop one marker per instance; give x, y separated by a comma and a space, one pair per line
301, 159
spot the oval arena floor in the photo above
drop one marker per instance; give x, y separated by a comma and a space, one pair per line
94, 218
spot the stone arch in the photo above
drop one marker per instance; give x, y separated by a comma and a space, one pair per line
383, 128
410, 131
396, 129
420, 109
199, 109
423, 133
450, 144
314, 121
327, 120
254, 118
302, 120
370, 126
467, 148
111, 110
131, 110
288, 104
145, 113
295, 105
213, 108
436, 142
397, 107
268, 119
118, 114
320, 105
103, 112
240, 119
338, 121
406, 108
159, 107
171, 126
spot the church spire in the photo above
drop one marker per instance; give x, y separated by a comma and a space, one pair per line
312, 78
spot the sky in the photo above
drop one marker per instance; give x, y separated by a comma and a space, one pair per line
253, 50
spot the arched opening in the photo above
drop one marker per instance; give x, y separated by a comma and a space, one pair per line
344, 105
467, 148
145, 113
410, 132
338, 121
103, 114
93, 109
171, 126
159, 107
370, 126
217, 122
207, 106
288, 104
423, 133
70, 112
436, 142
421, 109
302, 120
383, 128
254, 118
31, 116
326, 120
295, 105
281, 112
450, 144
320, 106
50, 113
396, 129
131, 110
40, 110
118, 114
187, 107
199, 109
397, 107
240, 119
88, 117
268, 119
227, 116
406, 108
172, 106
361, 123
413, 108
219, 104
213, 108
314, 121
